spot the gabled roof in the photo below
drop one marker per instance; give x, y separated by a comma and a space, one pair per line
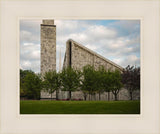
96, 54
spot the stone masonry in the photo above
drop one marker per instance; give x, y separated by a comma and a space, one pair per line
78, 56
48, 49
48, 46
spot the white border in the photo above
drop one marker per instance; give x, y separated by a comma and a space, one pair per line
147, 122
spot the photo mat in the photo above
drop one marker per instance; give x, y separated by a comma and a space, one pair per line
13, 122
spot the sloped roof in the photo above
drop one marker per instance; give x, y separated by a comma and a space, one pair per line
96, 54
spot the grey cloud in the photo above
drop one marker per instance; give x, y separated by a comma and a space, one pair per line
30, 65
106, 42
131, 60
30, 56
126, 27
119, 41
26, 36
30, 31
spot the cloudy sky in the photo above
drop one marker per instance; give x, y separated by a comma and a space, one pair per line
116, 40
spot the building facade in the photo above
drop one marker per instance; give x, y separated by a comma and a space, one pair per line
77, 56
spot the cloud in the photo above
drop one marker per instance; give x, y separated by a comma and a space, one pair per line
30, 56
117, 40
26, 64
30, 31
91, 47
100, 32
30, 25
126, 27
30, 65
131, 60
26, 36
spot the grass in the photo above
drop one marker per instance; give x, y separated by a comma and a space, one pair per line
79, 107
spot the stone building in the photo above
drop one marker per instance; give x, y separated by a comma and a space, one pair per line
48, 49
76, 56
48, 46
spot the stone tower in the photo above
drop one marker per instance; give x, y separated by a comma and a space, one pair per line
48, 46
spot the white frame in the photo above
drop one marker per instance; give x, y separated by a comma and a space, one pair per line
147, 122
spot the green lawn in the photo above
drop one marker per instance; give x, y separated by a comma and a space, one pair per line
79, 107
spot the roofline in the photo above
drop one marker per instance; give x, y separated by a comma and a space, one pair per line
91, 51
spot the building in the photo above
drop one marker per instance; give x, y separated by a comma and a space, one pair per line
76, 56
48, 46
48, 49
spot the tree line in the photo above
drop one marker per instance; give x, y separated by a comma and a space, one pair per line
89, 80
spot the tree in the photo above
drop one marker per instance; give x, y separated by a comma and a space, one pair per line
107, 82
32, 85
85, 93
131, 79
23, 74
115, 83
52, 82
101, 80
89, 80
70, 80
